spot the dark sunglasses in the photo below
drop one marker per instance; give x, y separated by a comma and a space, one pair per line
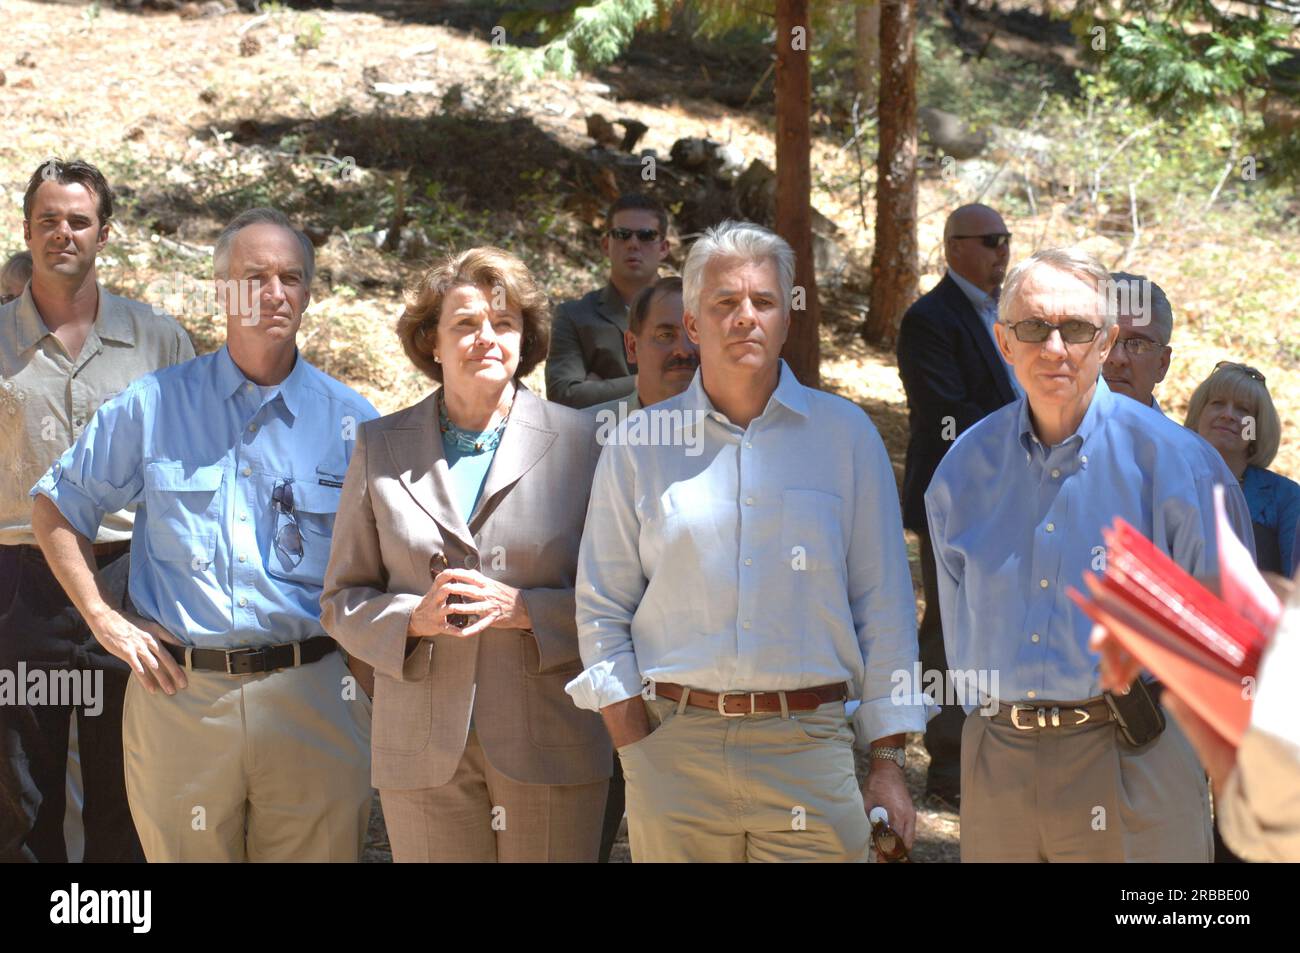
643, 235
994, 240
1073, 331
288, 537
1244, 368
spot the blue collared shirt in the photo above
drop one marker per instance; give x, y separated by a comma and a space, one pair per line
762, 558
986, 306
1274, 502
200, 449
1014, 523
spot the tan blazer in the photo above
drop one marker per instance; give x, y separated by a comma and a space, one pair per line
395, 512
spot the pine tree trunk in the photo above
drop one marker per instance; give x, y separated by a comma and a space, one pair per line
894, 261
794, 181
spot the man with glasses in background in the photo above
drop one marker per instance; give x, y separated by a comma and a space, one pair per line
1058, 771
244, 736
588, 363
1140, 358
953, 376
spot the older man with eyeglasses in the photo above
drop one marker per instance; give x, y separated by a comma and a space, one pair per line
244, 736
1140, 358
1058, 771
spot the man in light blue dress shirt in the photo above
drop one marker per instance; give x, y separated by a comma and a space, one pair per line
244, 736
742, 576
1016, 511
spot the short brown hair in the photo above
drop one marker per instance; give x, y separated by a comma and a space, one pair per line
640, 202
66, 173
640, 309
486, 266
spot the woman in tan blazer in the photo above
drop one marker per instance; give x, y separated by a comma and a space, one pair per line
477, 752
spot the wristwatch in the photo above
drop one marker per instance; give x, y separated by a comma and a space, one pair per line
896, 755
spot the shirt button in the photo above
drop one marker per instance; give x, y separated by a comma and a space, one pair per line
243, 558
247, 471
747, 623
1083, 459
1034, 637
1056, 474
749, 501
252, 428
749, 562
1032, 694
242, 602
748, 445
243, 517
1042, 584
1051, 527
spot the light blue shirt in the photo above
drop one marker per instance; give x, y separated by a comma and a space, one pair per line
758, 559
986, 306
467, 472
199, 448
1014, 523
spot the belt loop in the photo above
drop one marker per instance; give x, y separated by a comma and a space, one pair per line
297, 654
785, 705
681, 702
189, 658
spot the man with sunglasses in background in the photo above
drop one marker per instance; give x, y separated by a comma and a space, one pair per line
1057, 771
953, 376
588, 363
244, 736
66, 345
1140, 358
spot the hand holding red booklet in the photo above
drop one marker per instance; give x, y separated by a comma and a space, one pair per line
1205, 648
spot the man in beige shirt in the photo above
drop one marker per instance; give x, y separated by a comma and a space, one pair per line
66, 346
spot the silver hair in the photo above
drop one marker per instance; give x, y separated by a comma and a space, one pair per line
260, 216
1138, 295
736, 240
1075, 261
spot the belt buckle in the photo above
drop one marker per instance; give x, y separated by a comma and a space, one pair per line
232, 665
1016, 709
722, 701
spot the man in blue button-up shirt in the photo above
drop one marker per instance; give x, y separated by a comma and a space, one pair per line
1016, 511
742, 575
257, 745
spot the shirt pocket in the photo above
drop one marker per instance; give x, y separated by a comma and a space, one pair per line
811, 536
314, 507
182, 507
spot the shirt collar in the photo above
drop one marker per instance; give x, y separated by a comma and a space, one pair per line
1099, 409
789, 393
977, 297
111, 320
291, 390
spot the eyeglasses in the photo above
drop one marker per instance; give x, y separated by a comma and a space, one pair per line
5, 299
288, 537
1139, 346
1073, 331
643, 235
992, 240
1244, 368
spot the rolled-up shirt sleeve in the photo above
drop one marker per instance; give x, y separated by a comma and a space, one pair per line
103, 471
611, 582
882, 603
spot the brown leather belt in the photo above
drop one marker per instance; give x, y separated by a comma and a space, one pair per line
735, 704
1031, 716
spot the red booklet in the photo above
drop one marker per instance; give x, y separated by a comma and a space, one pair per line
1205, 648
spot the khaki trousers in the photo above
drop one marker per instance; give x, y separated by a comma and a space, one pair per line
701, 787
482, 816
1080, 794
271, 767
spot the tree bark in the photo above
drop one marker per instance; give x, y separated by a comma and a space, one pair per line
894, 269
866, 68
794, 182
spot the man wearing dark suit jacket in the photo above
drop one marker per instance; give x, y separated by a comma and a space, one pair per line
953, 376
587, 363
